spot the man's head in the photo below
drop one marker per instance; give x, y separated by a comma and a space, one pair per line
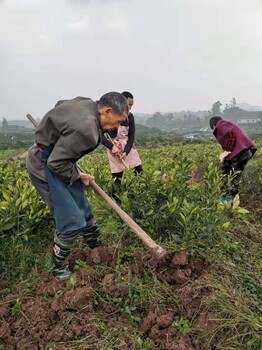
113, 109
213, 122
129, 97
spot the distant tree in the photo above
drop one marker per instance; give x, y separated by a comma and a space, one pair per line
233, 112
4, 123
233, 102
170, 117
215, 110
156, 121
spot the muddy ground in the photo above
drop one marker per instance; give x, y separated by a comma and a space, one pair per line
65, 316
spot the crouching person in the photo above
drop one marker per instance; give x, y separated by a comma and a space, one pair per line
66, 133
238, 149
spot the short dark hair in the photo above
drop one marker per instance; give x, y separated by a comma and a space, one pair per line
116, 101
213, 121
127, 94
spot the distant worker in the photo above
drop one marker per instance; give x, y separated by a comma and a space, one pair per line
122, 152
66, 133
238, 149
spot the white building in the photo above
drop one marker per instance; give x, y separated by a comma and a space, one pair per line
249, 120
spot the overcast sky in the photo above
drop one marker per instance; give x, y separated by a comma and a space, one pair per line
171, 54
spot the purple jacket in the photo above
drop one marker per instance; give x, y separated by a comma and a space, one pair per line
242, 140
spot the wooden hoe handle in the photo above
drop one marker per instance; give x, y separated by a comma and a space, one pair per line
32, 120
126, 218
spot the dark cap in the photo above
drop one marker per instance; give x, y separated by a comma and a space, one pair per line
213, 121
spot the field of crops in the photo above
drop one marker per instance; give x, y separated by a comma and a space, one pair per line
206, 295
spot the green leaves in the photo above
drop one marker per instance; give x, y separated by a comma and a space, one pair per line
16, 308
182, 326
236, 206
21, 206
233, 206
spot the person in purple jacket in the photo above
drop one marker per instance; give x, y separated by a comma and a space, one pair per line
238, 149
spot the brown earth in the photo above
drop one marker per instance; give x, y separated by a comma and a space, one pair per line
67, 316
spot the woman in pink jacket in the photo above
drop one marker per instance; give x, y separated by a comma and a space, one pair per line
121, 150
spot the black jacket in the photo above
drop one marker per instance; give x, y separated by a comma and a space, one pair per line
129, 121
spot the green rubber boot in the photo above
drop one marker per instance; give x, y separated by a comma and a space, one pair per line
61, 251
91, 235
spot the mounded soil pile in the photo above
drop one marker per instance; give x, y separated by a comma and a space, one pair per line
65, 316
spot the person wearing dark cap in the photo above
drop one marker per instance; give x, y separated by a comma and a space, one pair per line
70, 130
238, 149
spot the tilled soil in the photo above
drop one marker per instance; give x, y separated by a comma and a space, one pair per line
71, 315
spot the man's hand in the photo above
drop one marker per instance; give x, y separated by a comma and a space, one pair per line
223, 155
86, 178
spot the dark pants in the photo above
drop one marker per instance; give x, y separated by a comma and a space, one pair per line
234, 167
68, 203
117, 177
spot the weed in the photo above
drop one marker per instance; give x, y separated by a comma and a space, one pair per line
73, 283
16, 308
79, 264
143, 344
182, 326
